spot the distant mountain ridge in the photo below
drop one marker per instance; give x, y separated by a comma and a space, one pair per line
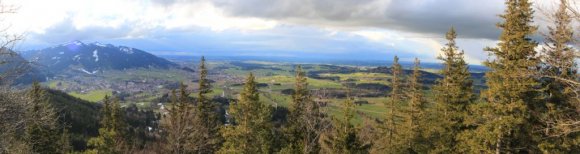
16, 70
94, 57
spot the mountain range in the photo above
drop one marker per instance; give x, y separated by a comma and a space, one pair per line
95, 57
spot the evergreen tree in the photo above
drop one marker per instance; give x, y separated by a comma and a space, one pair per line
42, 129
453, 94
415, 113
391, 135
343, 137
504, 120
64, 142
305, 120
206, 122
112, 133
179, 124
559, 67
250, 130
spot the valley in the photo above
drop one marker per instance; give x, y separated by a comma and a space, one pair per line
289, 77
148, 88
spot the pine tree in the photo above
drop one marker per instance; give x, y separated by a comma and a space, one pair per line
559, 67
391, 135
343, 137
64, 142
504, 120
414, 137
178, 123
206, 122
112, 133
250, 131
42, 129
305, 120
453, 94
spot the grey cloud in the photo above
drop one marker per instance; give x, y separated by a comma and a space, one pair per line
473, 19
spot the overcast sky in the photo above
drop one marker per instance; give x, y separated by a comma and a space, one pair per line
331, 29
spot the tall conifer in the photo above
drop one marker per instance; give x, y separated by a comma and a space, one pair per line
415, 113
42, 130
343, 137
453, 94
391, 135
178, 123
504, 120
207, 122
112, 132
250, 130
305, 121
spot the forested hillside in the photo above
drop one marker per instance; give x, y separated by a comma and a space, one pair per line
526, 102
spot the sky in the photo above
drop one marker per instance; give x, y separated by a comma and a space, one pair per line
325, 29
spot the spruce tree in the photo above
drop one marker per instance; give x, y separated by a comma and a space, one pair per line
250, 130
391, 135
305, 120
41, 129
112, 132
64, 142
178, 123
453, 94
559, 67
206, 122
504, 120
414, 136
343, 137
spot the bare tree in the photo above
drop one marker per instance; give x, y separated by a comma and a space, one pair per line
559, 14
13, 104
10, 67
12, 121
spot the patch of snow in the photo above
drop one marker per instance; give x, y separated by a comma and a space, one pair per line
99, 44
77, 58
127, 50
91, 73
95, 54
61, 53
77, 43
55, 58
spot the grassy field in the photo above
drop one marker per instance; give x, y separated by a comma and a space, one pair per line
284, 76
276, 99
278, 76
361, 77
143, 73
92, 96
289, 81
54, 84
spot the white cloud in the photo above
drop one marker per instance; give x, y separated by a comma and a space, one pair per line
37, 16
373, 35
385, 26
204, 14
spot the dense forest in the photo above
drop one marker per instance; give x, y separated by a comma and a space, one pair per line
530, 105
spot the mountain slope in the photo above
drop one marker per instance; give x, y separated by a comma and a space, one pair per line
16, 70
95, 57
80, 116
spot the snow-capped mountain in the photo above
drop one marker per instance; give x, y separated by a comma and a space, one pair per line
94, 57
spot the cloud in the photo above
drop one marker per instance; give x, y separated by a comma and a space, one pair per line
324, 28
429, 17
